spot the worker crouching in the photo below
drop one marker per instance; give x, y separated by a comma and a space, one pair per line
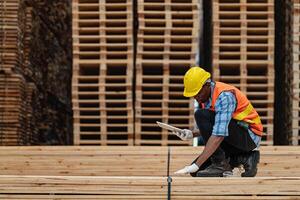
229, 125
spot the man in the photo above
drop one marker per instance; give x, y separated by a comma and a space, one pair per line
228, 123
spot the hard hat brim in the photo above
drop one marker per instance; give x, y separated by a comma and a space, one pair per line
191, 94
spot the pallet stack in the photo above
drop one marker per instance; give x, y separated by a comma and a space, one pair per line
167, 41
12, 88
9, 35
102, 72
16, 106
296, 74
243, 52
12, 109
31, 129
26, 41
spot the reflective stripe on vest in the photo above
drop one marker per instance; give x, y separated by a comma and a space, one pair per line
242, 115
244, 110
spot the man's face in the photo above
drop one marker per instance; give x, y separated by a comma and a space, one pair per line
203, 94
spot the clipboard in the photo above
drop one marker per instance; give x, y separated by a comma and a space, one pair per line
167, 126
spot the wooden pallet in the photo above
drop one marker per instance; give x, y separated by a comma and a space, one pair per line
102, 73
275, 161
159, 98
243, 44
166, 47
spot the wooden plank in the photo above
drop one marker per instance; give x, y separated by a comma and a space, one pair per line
151, 186
128, 197
129, 160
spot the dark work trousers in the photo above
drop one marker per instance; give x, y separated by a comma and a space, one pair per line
237, 142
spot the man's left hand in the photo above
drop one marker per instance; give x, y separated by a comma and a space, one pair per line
188, 169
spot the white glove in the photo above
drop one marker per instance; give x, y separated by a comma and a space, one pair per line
188, 169
184, 134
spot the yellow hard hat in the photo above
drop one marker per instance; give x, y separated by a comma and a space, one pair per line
194, 80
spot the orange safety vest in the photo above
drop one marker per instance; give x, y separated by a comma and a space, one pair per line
244, 110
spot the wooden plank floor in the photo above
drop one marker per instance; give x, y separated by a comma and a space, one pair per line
137, 172
148, 187
129, 197
275, 161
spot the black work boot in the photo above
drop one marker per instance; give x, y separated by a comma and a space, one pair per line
216, 169
248, 160
202, 167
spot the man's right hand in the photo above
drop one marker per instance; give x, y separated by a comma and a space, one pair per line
184, 134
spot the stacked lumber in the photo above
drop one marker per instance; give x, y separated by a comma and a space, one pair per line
134, 172
243, 51
12, 109
102, 72
26, 41
107, 187
84, 161
296, 72
167, 41
9, 35
16, 107
34, 175
129, 161
31, 129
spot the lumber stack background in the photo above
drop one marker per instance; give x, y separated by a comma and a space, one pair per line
17, 125
92, 72
102, 72
35, 59
167, 43
104, 95
243, 53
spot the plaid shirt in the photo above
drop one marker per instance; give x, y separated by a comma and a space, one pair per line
224, 108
